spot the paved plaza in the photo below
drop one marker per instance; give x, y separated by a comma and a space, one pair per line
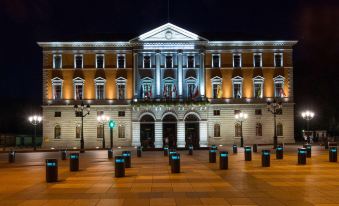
150, 182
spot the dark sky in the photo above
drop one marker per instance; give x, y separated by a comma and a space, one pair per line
315, 24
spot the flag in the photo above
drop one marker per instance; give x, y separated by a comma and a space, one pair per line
150, 92
238, 94
219, 91
196, 92
165, 91
174, 92
141, 92
259, 93
282, 92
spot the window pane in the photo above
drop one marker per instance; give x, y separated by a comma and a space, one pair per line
257, 90
215, 61
190, 90
78, 62
257, 60
57, 92
121, 62
278, 60
190, 61
121, 131
78, 91
57, 62
57, 132
169, 62
147, 62
100, 131
121, 91
77, 131
100, 61
279, 90
237, 91
100, 91
236, 60
216, 130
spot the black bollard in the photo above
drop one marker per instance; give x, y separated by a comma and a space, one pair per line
190, 150
51, 170
333, 155
166, 151
308, 149
11, 156
175, 165
265, 158
63, 155
119, 166
255, 148
212, 155
223, 160
235, 149
110, 153
302, 153
171, 152
214, 147
248, 153
74, 162
127, 156
279, 152
139, 150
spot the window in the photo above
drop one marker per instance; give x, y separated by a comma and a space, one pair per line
146, 90
147, 62
121, 131
217, 130
57, 132
215, 60
190, 61
121, 113
77, 131
78, 88
258, 87
100, 88
236, 60
169, 62
57, 61
168, 89
216, 112
78, 61
258, 112
279, 86
278, 60
258, 129
57, 114
190, 89
78, 114
121, 61
121, 88
100, 131
237, 130
237, 87
216, 87
257, 61
57, 88
100, 61
280, 129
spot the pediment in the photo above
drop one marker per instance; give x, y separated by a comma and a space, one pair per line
169, 32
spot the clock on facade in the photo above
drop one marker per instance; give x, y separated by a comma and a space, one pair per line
168, 35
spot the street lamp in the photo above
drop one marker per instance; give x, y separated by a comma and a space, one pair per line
103, 119
241, 117
308, 116
79, 111
34, 120
274, 108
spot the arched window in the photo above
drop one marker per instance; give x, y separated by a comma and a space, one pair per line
77, 131
280, 130
258, 129
121, 131
237, 130
57, 132
100, 131
217, 130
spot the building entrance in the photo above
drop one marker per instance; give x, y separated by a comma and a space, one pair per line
192, 131
169, 131
147, 131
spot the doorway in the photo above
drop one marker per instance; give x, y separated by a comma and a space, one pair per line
169, 131
192, 131
147, 131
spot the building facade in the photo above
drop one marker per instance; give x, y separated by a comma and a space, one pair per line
167, 86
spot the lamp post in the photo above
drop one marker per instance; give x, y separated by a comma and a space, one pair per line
79, 111
111, 125
275, 108
103, 119
308, 116
241, 117
34, 120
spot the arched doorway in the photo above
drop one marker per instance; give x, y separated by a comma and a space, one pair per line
192, 130
147, 131
169, 130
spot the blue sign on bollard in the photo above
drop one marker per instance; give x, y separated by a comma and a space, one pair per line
51, 164
120, 160
223, 155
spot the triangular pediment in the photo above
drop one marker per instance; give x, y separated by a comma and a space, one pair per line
168, 32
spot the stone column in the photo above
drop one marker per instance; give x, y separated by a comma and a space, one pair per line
179, 74
202, 75
136, 133
157, 74
203, 133
181, 134
158, 134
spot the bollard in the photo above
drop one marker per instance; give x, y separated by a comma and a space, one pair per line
331, 144
214, 147
127, 156
302, 153
11, 156
51, 170
212, 156
279, 152
139, 150
248, 153
265, 158
190, 150
74, 162
223, 160
119, 166
333, 155
255, 148
63, 155
175, 165
171, 152
235, 149
110, 153
308, 149
166, 151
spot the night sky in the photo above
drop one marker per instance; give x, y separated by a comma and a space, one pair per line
315, 24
